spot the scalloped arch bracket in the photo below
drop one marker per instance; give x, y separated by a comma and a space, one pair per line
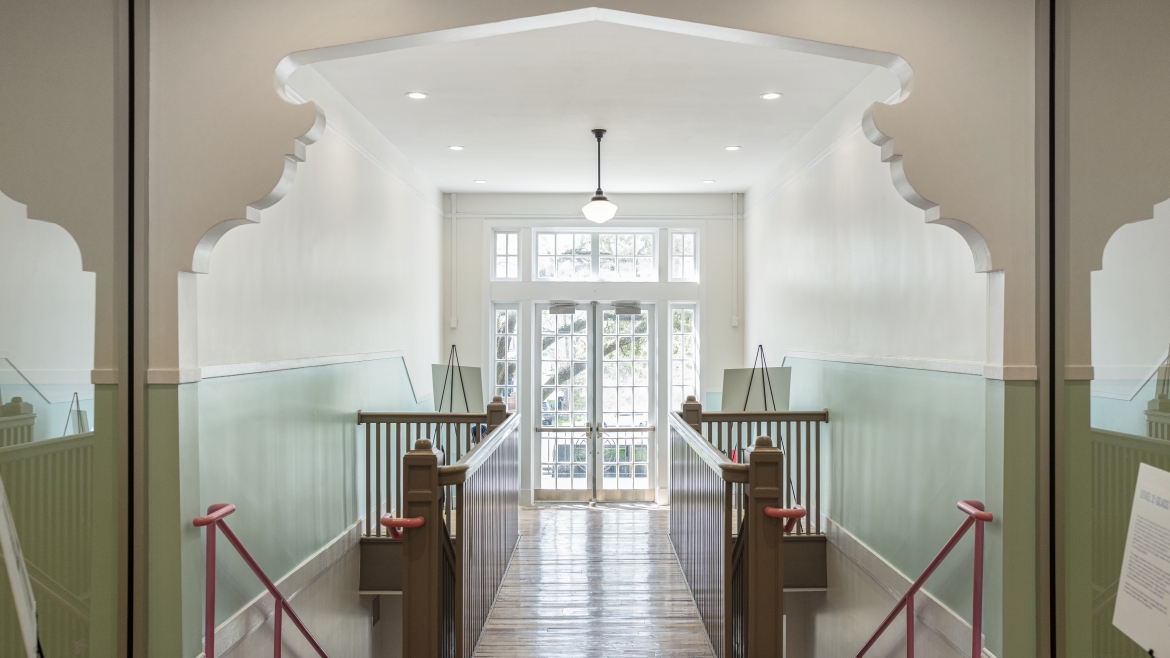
980, 250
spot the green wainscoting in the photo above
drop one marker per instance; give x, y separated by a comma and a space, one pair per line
282, 447
63, 493
905, 445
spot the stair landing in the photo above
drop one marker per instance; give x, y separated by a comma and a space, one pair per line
594, 581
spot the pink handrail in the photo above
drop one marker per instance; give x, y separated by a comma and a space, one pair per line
215, 518
975, 516
396, 525
792, 514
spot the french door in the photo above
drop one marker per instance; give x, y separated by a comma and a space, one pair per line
597, 400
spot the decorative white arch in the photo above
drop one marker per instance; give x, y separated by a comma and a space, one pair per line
892, 62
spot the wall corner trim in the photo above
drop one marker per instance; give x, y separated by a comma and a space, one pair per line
1010, 373
172, 376
100, 376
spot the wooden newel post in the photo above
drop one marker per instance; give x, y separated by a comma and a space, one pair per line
692, 413
765, 555
422, 566
497, 413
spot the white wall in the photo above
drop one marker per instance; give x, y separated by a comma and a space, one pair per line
347, 264
837, 263
1131, 316
46, 303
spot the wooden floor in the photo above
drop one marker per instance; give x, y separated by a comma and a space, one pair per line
594, 581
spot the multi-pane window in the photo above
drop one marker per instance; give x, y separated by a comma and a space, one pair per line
564, 369
507, 255
626, 256
684, 355
625, 400
684, 263
625, 370
507, 351
564, 400
564, 255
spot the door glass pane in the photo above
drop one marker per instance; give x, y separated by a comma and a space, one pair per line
564, 400
625, 399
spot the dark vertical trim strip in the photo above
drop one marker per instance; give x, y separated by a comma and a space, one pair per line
1053, 576
131, 384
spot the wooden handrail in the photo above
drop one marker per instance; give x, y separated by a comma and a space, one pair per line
471, 462
454, 562
727, 469
390, 434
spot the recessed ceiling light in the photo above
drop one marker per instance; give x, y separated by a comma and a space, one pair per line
731, 148
481, 182
455, 148
708, 181
416, 95
771, 96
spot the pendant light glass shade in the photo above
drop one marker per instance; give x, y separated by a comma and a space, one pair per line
599, 209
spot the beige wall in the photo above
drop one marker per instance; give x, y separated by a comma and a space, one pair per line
964, 126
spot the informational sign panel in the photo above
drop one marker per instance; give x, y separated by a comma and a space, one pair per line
26, 605
763, 389
1142, 610
451, 383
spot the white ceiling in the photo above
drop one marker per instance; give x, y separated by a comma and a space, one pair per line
523, 104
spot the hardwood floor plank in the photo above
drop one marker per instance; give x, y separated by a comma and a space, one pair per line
591, 582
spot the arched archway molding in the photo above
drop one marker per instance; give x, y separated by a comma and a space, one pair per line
964, 155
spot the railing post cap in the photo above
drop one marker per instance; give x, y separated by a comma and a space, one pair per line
690, 398
497, 399
422, 444
763, 442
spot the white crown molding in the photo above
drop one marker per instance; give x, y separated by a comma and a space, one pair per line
364, 152
931, 612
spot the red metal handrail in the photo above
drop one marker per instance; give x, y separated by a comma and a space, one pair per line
396, 525
975, 516
215, 518
792, 514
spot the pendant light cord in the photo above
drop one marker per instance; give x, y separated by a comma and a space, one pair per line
599, 164
599, 133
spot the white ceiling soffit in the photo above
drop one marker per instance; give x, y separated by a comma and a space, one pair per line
522, 106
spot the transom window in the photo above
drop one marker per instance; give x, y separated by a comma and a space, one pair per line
626, 256
507, 255
614, 256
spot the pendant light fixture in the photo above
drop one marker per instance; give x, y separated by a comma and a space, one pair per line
599, 209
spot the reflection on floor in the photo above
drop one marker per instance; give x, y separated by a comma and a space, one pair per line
594, 581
